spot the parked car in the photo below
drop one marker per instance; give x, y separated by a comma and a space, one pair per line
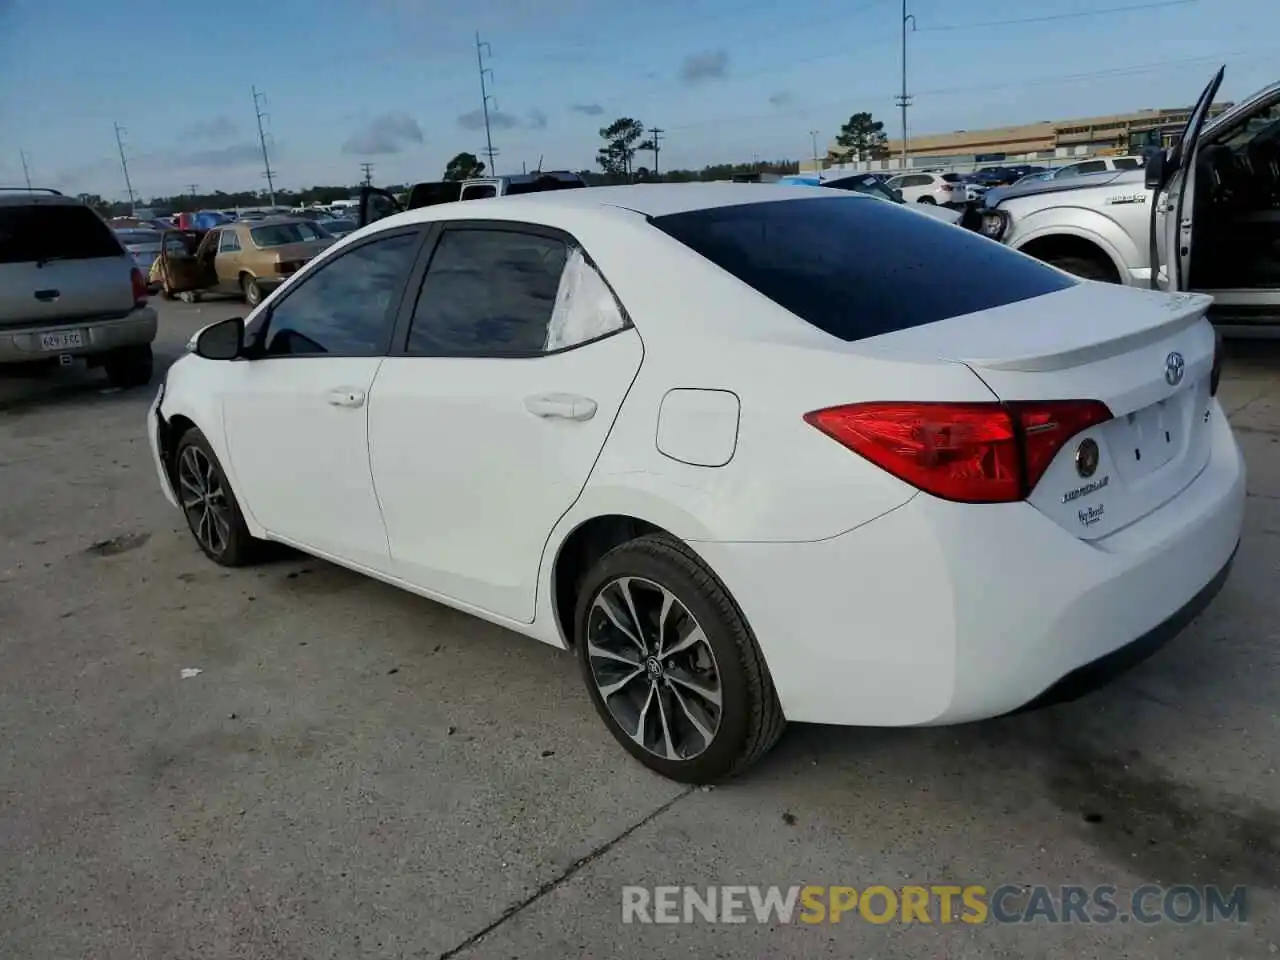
69, 290
337, 227
944, 189
733, 521
375, 203
1095, 165
249, 257
870, 185
145, 245
1211, 199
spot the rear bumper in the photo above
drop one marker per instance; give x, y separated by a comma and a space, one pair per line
22, 344
941, 613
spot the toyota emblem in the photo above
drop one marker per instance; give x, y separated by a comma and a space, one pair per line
1087, 457
1174, 368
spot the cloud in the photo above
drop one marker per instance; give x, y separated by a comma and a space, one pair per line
781, 98
590, 109
388, 133
219, 128
497, 120
232, 155
537, 120
700, 67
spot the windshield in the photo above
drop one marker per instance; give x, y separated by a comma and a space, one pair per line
138, 237
864, 184
278, 234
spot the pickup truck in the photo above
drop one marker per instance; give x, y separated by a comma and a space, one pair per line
1212, 200
376, 203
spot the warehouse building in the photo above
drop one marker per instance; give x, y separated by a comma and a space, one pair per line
1047, 143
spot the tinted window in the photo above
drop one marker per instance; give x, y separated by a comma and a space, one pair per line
955, 177
480, 192
487, 293
278, 234
1091, 166
54, 232
1127, 163
343, 308
856, 268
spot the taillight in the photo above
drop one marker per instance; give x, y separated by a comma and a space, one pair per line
1215, 374
140, 292
945, 187
966, 452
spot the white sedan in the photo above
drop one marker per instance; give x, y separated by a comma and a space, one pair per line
753, 455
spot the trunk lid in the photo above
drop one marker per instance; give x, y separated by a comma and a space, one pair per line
1147, 356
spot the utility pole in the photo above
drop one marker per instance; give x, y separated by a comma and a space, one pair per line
258, 100
191, 189
366, 169
26, 170
124, 165
904, 98
817, 170
482, 50
655, 137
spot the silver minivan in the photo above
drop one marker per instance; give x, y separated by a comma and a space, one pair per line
69, 290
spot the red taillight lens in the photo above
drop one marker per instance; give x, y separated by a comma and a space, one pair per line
967, 452
140, 291
945, 187
1215, 375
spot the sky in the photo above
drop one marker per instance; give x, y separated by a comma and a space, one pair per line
396, 82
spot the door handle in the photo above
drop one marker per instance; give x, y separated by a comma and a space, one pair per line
346, 397
561, 406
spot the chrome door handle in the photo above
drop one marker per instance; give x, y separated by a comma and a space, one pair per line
346, 397
561, 406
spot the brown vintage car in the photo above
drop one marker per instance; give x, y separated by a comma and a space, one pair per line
250, 258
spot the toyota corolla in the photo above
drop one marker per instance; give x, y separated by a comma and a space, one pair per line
754, 455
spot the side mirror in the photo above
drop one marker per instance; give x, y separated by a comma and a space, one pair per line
1155, 169
221, 341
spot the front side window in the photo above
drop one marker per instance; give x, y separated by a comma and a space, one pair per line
504, 293
343, 308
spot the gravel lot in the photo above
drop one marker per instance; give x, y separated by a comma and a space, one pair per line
357, 772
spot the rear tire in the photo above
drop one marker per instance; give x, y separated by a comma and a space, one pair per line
210, 506
129, 366
252, 291
703, 710
1085, 268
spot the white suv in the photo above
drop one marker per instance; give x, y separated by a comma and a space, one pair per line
69, 289
946, 189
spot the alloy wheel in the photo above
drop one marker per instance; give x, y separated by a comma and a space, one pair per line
654, 668
204, 500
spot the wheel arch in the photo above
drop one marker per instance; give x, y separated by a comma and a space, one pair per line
1050, 246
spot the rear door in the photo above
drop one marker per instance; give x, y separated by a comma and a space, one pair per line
1171, 214
509, 366
60, 262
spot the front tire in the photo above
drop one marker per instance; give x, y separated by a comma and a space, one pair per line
1085, 268
670, 664
929, 200
129, 366
212, 511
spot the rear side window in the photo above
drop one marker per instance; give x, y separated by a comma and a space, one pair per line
1127, 163
857, 268
54, 232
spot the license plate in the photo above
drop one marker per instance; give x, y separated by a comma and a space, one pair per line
62, 340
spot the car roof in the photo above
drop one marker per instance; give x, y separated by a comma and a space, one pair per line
12, 198
647, 199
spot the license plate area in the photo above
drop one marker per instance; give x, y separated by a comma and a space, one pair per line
1144, 441
62, 340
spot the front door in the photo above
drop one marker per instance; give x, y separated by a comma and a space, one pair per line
296, 414
484, 430
1171, 213
181, 267
375, 204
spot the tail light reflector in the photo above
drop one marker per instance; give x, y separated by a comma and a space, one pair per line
966, 452
140, 291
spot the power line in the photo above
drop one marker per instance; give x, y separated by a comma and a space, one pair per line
124, 165
1048, 18
258, 100
26, 170
486, 98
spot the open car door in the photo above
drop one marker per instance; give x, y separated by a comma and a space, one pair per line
1174, 181
375, 204
182, 270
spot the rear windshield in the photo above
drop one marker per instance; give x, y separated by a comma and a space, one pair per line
54, 232
857, 268
278, 234
952, 177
